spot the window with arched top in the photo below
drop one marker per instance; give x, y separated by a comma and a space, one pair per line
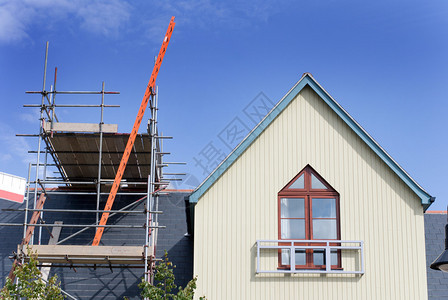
308, 213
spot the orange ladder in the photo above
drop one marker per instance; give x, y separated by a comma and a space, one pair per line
29, 231
124, 160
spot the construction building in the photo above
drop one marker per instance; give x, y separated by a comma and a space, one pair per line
308, 206
96, 223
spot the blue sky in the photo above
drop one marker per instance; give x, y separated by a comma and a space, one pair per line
385, 62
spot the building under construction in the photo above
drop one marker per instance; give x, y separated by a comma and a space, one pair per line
97, 223
307, 205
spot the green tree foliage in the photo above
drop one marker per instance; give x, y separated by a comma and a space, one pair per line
30, 284
165, 287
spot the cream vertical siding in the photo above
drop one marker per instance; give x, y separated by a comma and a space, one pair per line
376, 207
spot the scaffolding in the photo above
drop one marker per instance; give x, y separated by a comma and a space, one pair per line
86, 156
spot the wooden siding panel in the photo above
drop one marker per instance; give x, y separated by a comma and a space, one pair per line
376, 207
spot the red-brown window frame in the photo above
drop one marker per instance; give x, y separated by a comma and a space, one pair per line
308, 194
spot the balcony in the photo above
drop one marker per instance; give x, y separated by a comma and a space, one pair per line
333, 256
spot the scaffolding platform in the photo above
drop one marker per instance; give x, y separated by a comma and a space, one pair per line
80, 255
77, 155
50, 127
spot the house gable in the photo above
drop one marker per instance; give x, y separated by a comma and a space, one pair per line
243, 207
308, 80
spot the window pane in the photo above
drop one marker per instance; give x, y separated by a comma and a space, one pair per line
292, 208
324, 229
324, 208
299, 183
293, 229
319, 257
316, 183
300, 257
334, 257
285, 257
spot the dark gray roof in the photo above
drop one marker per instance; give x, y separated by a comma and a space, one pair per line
435, 244
87, 283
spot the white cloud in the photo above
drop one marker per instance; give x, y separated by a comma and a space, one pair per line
31, 117
5, 157
12, 27
17, 17
222, 11
112, 17
14, 150
233, 14
104, 17
14, 156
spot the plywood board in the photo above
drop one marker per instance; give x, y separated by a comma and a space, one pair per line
75, 254
55, 233
80, 127
78, 154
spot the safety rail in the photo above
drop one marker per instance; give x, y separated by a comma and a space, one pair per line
326, 245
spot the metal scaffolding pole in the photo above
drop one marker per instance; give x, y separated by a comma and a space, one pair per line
84, 229
53, 116
41, 131
151, 180
98, 185
93, 184
80, 225
84, 210
27, 200
103, 181
54, 100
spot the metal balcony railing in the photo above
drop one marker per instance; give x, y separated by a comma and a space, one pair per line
325, 246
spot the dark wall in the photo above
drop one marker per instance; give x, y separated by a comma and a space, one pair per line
173, 239
435, 244
10, 237
87, 283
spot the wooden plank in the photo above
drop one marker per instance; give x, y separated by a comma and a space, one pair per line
70, 254
80, 127
88, 251
92, 261
55, 233
83, 148
85, 158
107, 172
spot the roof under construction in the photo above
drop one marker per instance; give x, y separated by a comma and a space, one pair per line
77, 155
